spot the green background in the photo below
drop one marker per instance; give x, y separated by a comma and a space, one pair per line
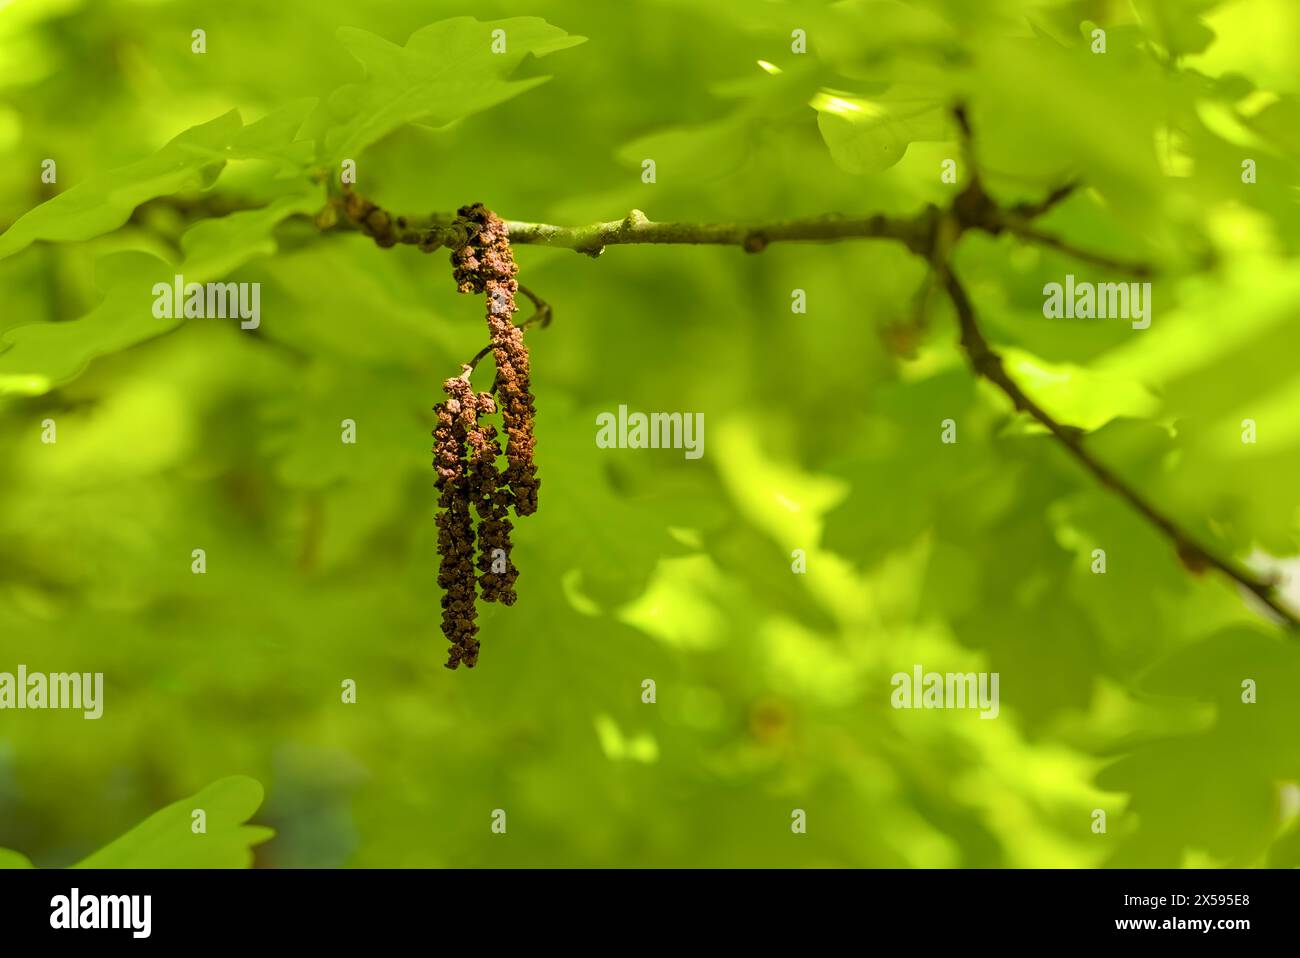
1119, 692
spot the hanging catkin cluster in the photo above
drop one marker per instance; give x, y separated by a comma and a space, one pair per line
486, 265
466, 449
457, 415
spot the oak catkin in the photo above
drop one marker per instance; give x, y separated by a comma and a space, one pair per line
486, 265
470, 483
491, 499
456, 417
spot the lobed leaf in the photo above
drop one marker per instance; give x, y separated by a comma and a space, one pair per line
446, 71
166, 839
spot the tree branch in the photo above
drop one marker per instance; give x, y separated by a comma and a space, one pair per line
931, 233
429, 234
636, 228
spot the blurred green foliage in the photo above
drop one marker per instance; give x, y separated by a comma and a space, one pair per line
1119, 691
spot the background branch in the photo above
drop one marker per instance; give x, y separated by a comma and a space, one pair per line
1022, 230
988, 364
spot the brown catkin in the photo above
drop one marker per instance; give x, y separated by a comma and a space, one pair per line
486, 265
491, 499
457, 417
466, 453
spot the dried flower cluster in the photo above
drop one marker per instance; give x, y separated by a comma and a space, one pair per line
457, 415
486, 265
466, 449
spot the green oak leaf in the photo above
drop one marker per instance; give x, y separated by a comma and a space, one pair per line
192, 160
1075, 394
215, 247
870, 134
166, 840
39, 356
11, 859
275, 137
446, 71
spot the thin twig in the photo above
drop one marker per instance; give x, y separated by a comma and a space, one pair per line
1029, 211
1024, 231
542, 315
